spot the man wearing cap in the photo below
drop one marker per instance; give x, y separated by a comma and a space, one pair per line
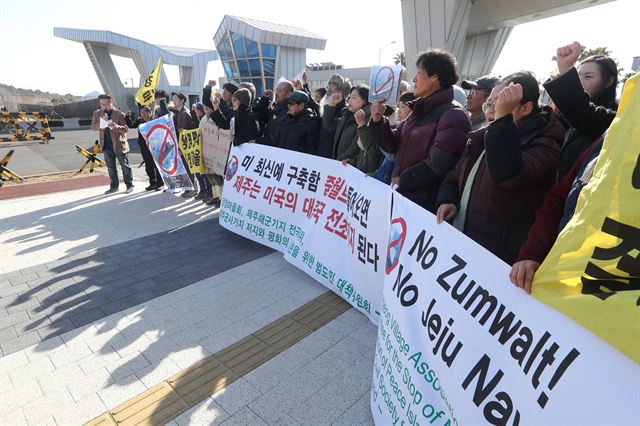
298, 130
182, 121
477, 93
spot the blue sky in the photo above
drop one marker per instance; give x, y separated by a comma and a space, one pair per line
34, 59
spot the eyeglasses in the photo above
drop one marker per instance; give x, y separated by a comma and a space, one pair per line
473, 92
487, 106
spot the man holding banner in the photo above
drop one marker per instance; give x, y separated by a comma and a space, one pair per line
182, 121
155, 178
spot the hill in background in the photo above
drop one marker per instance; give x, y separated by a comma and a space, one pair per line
12, 96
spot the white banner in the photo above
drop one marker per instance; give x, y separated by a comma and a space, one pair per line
215, 147
160, 135
458, 344
328, 219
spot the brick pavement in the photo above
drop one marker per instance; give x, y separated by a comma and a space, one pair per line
78, 257
46, 300
324, 379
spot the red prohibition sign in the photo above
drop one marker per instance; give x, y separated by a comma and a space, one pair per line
168, 134
384, 82
396, 240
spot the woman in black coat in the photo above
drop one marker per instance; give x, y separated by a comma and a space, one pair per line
599, 77
243, 124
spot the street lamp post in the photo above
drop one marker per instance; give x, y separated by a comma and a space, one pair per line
380, 50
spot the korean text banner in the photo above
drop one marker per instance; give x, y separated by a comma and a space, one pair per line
191, 149
328, 219
592, 273
215, 147
161, 139
458, 344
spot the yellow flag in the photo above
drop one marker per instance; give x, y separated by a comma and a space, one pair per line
592, 273
146, 93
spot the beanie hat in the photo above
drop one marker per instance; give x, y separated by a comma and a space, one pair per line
243, 96
336, 79
346, 88
299, 97
407, 97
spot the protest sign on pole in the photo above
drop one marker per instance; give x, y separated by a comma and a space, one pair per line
160, 135
145, 95
216, 143
458, 344
191, 149
384, 83
327, 219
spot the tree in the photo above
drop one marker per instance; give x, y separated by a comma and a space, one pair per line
399, 59
627, 76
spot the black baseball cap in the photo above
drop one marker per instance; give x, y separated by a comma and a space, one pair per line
484, 83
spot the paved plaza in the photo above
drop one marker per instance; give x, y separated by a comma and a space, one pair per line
105, 299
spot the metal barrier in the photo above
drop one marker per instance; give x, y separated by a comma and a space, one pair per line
91, 154
22, 126
5, 173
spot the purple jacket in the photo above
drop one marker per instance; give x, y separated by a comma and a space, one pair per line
513, 178
426, 145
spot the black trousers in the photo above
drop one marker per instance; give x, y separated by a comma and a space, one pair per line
155, 178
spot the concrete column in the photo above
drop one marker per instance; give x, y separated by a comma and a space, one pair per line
481, 51
443, 24
433, 23
106, 68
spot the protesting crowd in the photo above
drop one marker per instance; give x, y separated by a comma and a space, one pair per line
503, 169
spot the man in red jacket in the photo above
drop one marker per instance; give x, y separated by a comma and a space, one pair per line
428, 143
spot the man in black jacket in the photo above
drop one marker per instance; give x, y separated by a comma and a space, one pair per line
269, 116
155, 178
298, 130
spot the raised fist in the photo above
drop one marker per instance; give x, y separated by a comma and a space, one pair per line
508, 99
377, 111
335, 98
566, 56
